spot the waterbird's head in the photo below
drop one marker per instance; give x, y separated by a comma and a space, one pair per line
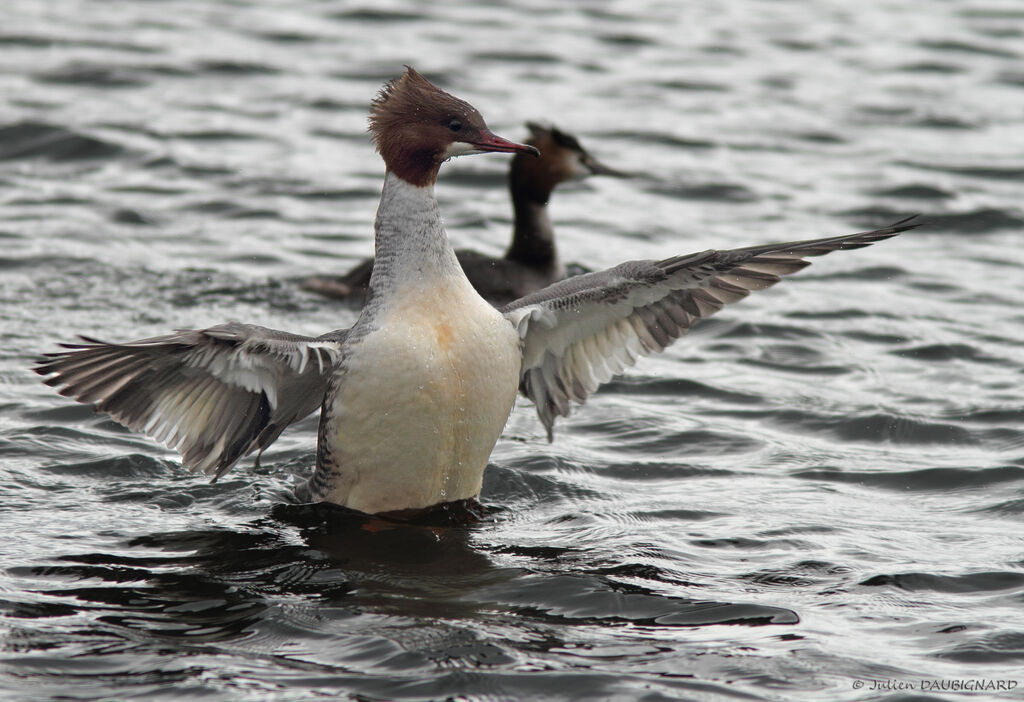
562, 158
416, 126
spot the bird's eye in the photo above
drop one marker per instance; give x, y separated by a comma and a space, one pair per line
455, 125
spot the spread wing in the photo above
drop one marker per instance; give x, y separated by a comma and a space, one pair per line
215, 395
580, 332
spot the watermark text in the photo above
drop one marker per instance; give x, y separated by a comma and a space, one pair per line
936, 684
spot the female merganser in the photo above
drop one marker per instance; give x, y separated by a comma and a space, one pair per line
414, 396
531, 261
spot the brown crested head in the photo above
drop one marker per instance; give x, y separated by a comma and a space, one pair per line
562, 158
416, 126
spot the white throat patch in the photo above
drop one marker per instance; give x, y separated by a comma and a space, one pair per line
460, 148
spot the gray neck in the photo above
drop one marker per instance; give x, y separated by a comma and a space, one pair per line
533, 238
411, 246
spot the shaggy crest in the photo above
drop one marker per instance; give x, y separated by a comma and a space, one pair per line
412, 94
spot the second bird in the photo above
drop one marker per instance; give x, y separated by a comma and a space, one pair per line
531, 261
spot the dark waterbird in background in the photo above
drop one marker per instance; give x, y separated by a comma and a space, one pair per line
531, 261
414, 396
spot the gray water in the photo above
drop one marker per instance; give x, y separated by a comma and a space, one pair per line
816, 493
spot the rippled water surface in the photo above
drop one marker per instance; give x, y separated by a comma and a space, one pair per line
819, 488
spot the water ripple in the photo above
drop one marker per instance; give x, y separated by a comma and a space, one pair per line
28, 140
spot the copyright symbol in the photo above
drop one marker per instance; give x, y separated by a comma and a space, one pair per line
858, 684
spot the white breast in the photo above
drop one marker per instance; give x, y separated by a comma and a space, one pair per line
422, 401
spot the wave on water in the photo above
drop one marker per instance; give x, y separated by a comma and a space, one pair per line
28, 140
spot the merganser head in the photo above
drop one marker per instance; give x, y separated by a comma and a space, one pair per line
562, 158
416, 126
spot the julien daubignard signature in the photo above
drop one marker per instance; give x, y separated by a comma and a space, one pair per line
937, 684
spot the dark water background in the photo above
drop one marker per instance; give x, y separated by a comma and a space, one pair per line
821, 487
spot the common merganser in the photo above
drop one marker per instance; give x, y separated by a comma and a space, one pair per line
531, 261
415, 394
